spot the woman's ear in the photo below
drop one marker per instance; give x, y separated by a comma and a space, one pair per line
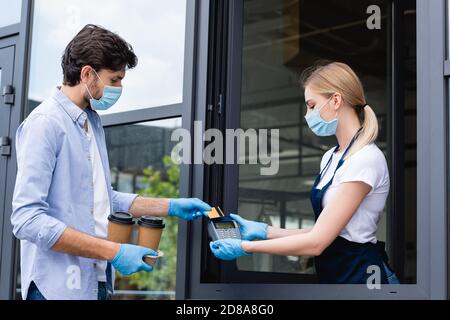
337, 101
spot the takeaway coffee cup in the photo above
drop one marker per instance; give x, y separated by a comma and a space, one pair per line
149, 235
120, 227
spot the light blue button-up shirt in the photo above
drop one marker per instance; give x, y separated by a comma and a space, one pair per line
54, 190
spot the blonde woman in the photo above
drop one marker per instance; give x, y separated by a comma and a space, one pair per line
348, 195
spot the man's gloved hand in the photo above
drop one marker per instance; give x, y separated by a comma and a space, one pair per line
251, 230
188, 208
129, 259
227, 249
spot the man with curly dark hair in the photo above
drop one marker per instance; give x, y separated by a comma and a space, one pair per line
63, 195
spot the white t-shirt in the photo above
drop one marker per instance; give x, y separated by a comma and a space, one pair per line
369, 166
101, 199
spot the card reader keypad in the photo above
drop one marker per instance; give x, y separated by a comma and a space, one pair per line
227, 234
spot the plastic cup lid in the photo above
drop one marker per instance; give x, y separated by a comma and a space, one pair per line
121, 217
151, 222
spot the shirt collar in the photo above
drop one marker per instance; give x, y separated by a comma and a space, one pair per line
74, 112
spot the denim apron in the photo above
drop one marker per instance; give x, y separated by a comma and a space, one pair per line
344, 261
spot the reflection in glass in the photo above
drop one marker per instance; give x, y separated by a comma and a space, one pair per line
10, 12
281, 38
155, 29
139, 157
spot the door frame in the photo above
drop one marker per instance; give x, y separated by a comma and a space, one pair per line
7, 55
16, 35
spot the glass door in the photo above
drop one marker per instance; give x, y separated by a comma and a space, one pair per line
7, 129
6, 103
277, 40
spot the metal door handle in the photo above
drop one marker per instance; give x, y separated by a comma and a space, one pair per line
5, 146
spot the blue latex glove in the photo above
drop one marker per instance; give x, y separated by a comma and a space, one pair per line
251, 230
188, 208
227, 249
129, 259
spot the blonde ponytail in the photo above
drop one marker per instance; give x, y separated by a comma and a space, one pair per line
369, 132
332, 77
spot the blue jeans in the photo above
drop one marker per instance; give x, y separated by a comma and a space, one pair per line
391, 276
35, 294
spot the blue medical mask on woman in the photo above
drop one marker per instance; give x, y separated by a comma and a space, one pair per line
109, 98
318, 125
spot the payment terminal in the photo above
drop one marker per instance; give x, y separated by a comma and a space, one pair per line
221, 226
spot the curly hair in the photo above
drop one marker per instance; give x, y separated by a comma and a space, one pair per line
99, 48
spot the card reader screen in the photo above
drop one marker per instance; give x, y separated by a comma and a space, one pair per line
224, 225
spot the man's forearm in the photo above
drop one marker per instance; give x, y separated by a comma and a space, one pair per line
143, 206
76, 243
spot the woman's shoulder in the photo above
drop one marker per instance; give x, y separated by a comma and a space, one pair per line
368, 164
369, 157
369, 154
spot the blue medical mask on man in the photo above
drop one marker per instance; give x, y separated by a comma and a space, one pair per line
318, 125
109, 98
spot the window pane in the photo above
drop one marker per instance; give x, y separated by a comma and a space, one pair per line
10, 12
139, 157
282, 38
155, 29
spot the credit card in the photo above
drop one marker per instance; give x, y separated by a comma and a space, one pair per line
216, 212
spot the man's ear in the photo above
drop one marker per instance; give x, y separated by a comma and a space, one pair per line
85, 74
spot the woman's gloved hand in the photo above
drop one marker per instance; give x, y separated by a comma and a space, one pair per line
129, 259
188, 208
227, 249
251, 230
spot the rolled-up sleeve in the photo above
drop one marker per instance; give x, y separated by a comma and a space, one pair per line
122, 201
36, 148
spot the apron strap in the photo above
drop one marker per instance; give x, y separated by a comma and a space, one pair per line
341, 161
329, 161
